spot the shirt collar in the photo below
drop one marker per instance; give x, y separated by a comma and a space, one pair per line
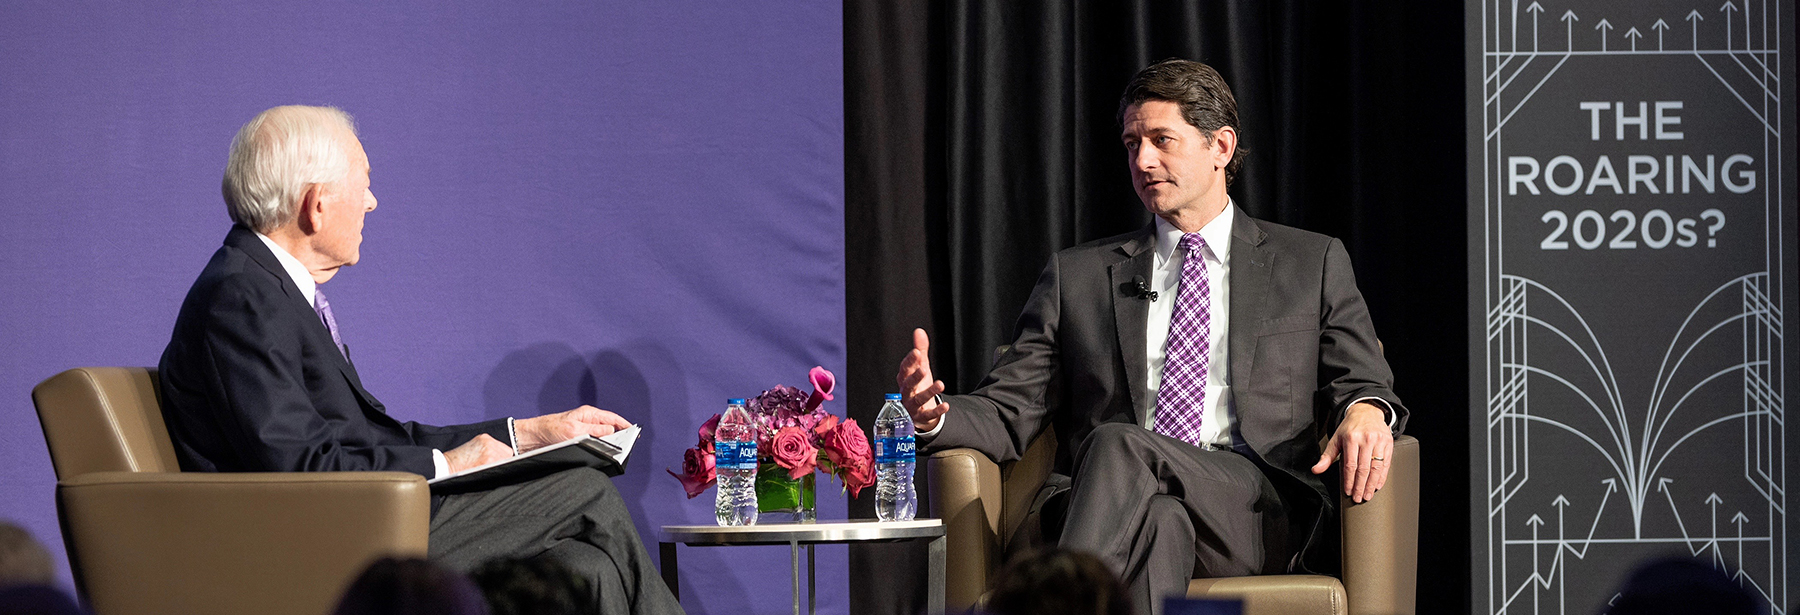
1217, 234
302, 277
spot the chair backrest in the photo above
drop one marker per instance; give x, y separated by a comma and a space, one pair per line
104, 419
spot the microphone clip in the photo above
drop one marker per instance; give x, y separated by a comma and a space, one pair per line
1141, 288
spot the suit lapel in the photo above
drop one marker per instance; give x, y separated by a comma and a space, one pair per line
245, 240
1131, 313
1251, 265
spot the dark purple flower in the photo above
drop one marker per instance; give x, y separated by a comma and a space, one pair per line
782, 397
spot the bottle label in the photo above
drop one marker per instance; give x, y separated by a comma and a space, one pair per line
734, 455
894, 449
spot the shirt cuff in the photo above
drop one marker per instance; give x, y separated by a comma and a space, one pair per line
512, 436
1378, 402
940, 426
440, 464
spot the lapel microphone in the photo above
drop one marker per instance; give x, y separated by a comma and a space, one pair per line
1142, 288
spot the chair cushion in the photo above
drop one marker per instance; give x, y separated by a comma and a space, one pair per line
1277, 594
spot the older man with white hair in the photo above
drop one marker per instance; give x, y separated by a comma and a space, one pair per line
257, 377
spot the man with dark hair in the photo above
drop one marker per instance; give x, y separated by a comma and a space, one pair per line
257, 376
1190, 368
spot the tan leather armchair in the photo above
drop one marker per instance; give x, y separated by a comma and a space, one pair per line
146, 538
983, 504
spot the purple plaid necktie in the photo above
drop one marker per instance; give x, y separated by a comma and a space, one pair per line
323, 307
1180, 401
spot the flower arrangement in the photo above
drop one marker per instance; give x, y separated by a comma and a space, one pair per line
795, 436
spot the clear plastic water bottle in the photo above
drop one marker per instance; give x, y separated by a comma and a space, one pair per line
895, 498
734, 449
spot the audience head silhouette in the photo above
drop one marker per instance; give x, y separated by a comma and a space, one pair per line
27, 578
396, 586
537, 586
1683, 585
1057, 582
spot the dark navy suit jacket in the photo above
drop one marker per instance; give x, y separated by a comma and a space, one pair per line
251, 382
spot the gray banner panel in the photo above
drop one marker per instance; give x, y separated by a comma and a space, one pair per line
1632, 241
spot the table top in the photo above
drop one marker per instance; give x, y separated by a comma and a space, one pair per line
783, 533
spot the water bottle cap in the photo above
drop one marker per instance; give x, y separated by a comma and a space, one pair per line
893, 397
734, 401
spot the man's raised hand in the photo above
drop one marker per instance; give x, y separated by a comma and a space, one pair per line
917, 388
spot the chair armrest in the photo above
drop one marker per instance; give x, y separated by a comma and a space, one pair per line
965, 493
279, 542
1381, 540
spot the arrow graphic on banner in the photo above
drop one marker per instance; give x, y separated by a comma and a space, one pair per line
1727, 8
1694, 17
1633, 34
1600, 511
1570, 19
1534, 9
1713, 501
1660, 27
1739, 519
1535, 522
1663, 486
1603, 27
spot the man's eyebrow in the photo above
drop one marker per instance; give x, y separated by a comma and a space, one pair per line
1127, 133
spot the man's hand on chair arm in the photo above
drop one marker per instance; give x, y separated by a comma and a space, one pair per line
1365, 443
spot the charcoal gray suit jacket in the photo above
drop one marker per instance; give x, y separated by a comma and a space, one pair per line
252, 382
1302, 350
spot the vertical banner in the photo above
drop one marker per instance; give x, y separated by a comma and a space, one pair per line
1632, 241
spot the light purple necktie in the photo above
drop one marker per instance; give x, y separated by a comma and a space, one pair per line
1180, 401
323, 307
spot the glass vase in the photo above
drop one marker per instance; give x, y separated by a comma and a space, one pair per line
780, 499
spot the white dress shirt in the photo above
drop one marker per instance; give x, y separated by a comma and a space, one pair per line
1165, 278
309, 288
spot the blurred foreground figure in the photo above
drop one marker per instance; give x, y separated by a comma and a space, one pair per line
515, 586
27, 580
1683, 585
393, 586
1057, 582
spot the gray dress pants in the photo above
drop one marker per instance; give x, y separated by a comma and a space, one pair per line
576, 517
1160, 512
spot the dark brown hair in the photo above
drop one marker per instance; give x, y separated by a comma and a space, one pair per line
1057, 582
1206, 102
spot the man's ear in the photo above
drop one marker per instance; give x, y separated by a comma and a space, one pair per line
1223, 145
312, 209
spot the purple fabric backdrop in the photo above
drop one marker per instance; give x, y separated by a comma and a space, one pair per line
637, 205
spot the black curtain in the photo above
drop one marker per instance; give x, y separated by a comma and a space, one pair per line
982, 137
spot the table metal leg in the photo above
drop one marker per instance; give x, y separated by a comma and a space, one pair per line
934, 587
812, 587
670, 572
794, 559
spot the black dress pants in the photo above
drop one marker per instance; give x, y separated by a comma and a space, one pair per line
1160, 512
576, 517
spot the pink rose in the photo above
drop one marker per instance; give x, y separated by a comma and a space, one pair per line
825, 425
697, 472
858, 477
707, 431
847, 445
823, 382
792, 448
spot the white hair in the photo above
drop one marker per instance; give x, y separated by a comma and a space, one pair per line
276, 156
